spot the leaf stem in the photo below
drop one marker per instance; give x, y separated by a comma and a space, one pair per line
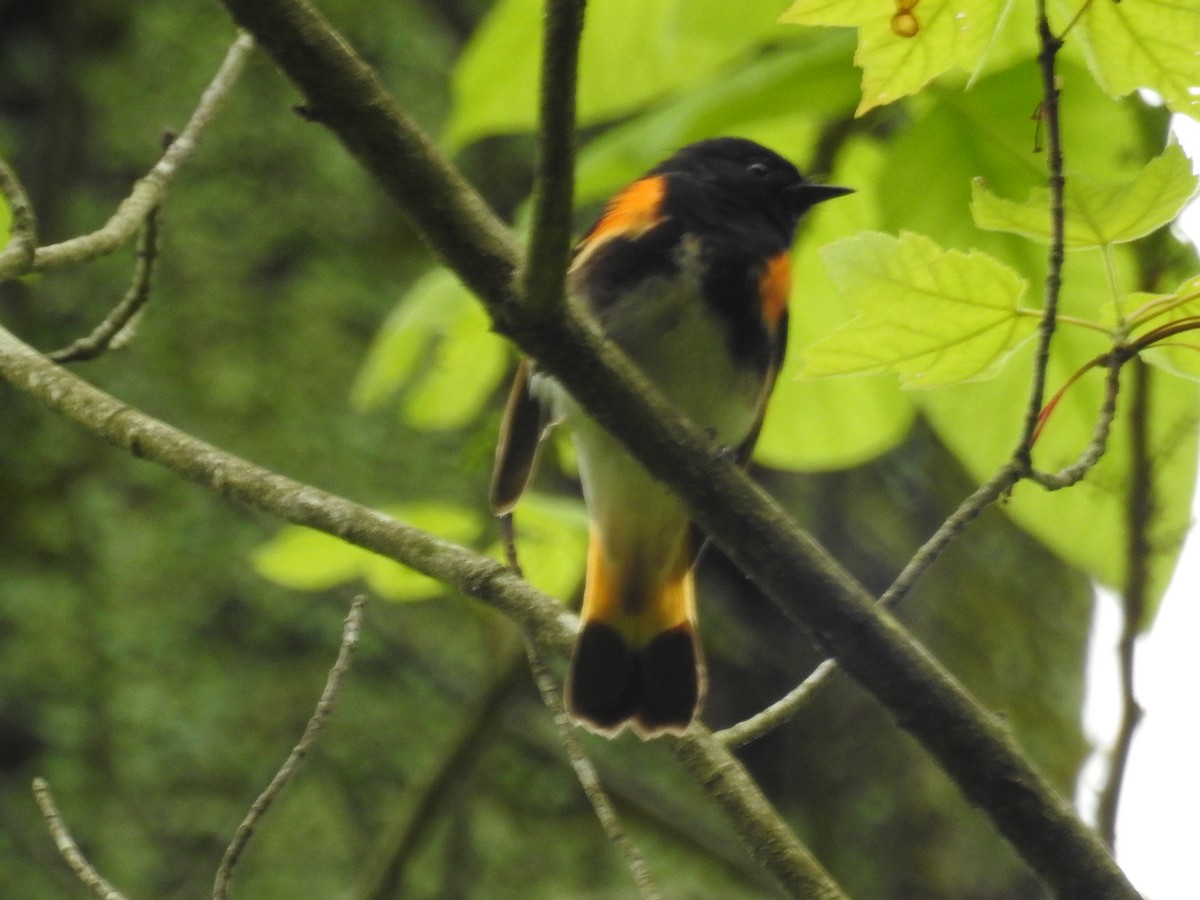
1158, 307
1068, 320
1110, 269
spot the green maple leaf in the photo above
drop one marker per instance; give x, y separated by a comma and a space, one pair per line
930, 315
1097, 213
1146, 44
904, 46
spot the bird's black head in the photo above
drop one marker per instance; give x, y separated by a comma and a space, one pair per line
725, 178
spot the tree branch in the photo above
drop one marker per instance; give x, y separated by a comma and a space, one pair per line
68, 848
553, 191
1047, 58
149, 190
1091, 454
291, 765
343, 93
728, 784
121, 319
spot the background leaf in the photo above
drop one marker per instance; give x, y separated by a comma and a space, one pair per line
900, 51
551, 534
1097, 214
930, 315
764, 89
425, 311
307, 560
1146, 45
1180, 354
436, 346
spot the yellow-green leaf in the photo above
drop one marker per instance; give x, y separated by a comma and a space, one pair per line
1146, 44
425, 311
1177, 352
468, 364
307, 560
1096, 213
761, 90
437, 346
930, 315
903, 46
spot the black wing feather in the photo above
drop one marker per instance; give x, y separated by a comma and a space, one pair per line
525, 421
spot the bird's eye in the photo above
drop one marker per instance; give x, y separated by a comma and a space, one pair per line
758, 169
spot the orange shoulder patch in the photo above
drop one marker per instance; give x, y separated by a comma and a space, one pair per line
774, 286
629, 214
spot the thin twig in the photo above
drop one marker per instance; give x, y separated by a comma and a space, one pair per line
1139, 514
17, 255
67, 846
768, 719
586, 773
1074, 473
120, 319
1049, 110
148, 192
292, 764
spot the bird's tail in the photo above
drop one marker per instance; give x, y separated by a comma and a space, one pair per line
637, 660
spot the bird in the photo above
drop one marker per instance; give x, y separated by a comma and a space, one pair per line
687, 270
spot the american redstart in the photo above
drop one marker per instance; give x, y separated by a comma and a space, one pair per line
688, 271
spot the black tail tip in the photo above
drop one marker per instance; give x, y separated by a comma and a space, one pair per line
655, 689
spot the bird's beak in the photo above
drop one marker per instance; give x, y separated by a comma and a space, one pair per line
808, 194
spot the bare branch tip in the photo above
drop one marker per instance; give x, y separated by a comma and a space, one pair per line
67, 847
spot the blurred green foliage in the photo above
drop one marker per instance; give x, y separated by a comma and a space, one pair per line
156, 679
